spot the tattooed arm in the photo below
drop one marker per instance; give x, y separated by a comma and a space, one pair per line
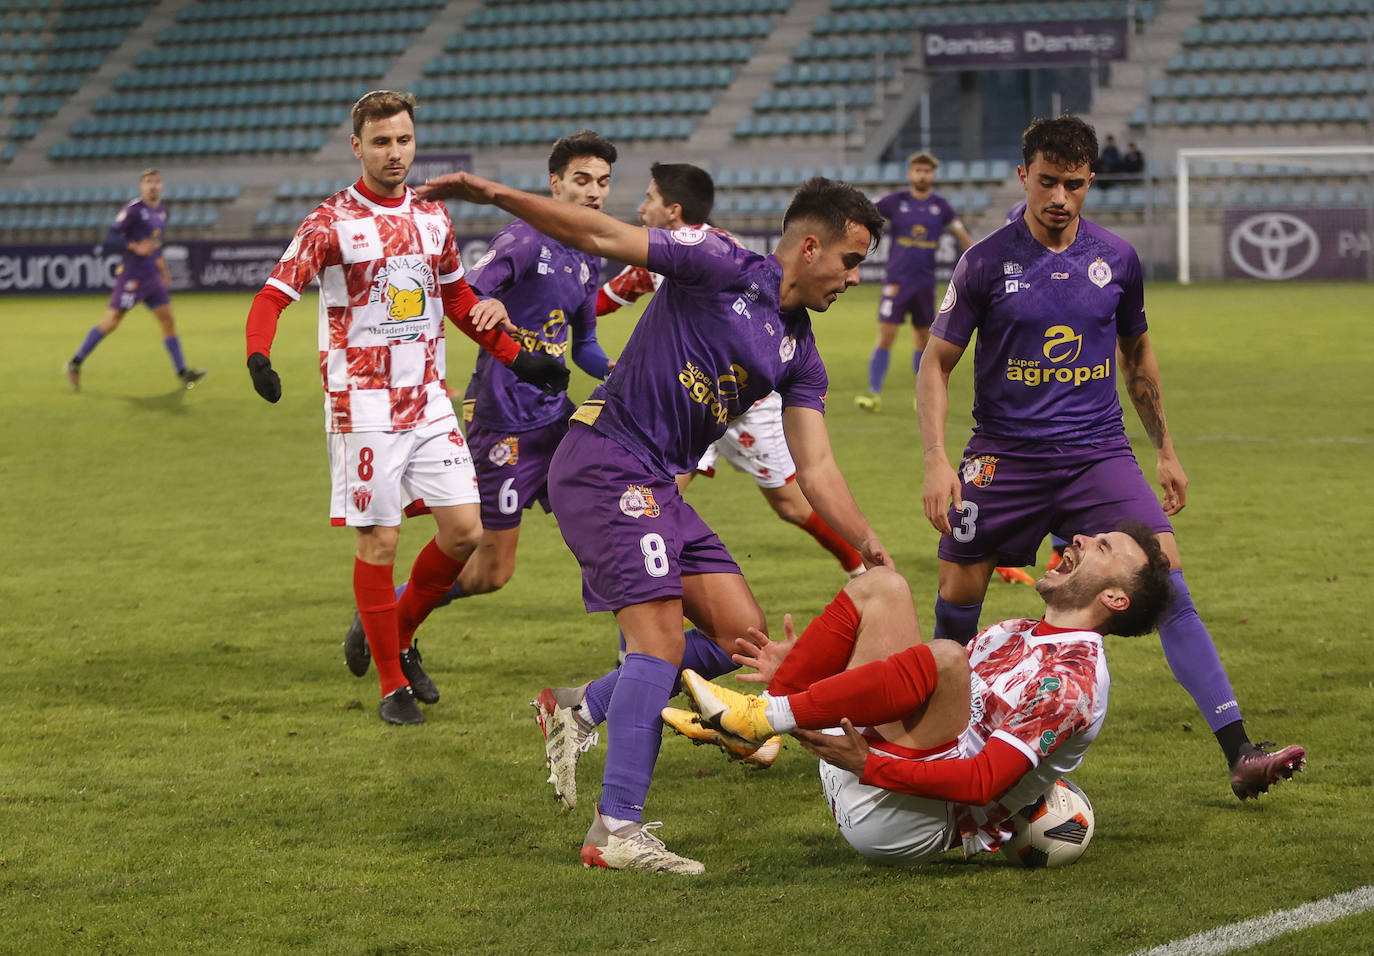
1141, 371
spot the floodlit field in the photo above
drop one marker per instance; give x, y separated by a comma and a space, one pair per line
188, 765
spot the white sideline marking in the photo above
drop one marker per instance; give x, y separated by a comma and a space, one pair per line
1252, 932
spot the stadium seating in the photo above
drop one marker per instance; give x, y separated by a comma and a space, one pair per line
216, 81
87, 211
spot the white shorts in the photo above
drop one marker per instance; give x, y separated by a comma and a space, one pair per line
754, 443
888, 827
373, 475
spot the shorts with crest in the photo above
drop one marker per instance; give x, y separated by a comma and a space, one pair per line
374, 474
755, 444
513, 470
899, 301
129, 291
1015, 493
629, 528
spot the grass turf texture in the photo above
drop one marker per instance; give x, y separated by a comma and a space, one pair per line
188, 766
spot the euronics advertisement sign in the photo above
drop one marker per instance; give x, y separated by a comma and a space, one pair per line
998, 45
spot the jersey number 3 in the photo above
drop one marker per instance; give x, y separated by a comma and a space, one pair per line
968, 522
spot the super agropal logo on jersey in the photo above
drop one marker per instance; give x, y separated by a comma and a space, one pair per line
1062, 347
403, 285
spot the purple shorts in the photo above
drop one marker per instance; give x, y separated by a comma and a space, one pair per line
899, 301
1017, 492
513, 470
130, 290
628, 527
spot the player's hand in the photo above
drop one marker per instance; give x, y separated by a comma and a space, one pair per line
462, 185
849, 752
266, 382
940, 488
762, 654
542, 370
874, 554
487, 314
1175, 485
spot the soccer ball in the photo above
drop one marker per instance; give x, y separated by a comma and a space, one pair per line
1052, 831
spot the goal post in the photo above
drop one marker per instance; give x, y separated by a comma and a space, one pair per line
1275, 212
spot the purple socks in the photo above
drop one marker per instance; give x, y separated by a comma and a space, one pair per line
93, 338
634, 731
173, 346
956, 622
1193, 658
877, 369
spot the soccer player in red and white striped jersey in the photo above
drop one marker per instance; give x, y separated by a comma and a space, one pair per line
389, 272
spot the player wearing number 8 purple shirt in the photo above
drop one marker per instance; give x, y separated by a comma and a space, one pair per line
1054, 299
727, 327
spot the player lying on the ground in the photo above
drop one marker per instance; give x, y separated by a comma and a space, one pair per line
945, 758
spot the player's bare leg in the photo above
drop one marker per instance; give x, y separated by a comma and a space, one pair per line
493, 562
790, 504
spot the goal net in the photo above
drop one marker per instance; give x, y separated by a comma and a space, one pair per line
1276, 213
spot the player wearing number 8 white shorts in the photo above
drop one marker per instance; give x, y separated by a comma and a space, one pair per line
754, 443
374, 475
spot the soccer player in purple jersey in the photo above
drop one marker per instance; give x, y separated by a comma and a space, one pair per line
142, 277
549, 291
916, 216
1055, 299
726, 327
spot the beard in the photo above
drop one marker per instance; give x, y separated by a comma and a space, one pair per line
1073, 593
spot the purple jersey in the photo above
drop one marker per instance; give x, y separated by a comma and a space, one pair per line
549, 291
915, 228
137, 220
1047, 322
711, 343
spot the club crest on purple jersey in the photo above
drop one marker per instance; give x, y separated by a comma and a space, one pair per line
1099, 272
506, 451
950, 298
638, 502
979, 471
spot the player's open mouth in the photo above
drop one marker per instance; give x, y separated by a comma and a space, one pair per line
1068, 562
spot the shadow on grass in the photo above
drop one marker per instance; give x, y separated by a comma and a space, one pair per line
171, 403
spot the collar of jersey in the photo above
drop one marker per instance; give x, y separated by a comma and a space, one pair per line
368, 198
1049, 634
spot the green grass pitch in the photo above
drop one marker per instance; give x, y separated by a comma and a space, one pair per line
188, 766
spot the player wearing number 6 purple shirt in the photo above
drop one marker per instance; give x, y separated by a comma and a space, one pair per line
727, 327
1055, 299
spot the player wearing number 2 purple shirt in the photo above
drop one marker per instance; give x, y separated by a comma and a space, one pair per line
726, 327
1054, 300
142, 277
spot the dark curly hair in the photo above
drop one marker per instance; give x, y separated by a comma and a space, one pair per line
834, 205
1062, 141
1148, 589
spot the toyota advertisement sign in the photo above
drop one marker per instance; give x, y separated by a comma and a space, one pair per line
1279, 244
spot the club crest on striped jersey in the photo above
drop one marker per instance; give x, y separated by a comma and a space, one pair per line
362, 497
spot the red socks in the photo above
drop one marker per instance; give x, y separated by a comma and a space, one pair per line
376, 599
822, 650
830, 540
432, 574
875, 693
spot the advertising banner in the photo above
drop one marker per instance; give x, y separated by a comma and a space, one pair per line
1278, 244
1006, 45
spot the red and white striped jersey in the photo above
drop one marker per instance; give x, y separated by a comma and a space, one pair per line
381, 326
1046, 695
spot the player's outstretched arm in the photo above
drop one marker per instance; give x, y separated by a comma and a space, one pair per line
941, 484
823, 483
586, 230
1140, 370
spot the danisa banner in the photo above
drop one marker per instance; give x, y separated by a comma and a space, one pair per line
1278, 244
990, 46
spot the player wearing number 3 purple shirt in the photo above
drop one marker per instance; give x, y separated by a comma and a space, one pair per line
727, 327
1055, 299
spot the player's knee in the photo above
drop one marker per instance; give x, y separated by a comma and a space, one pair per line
791, 512
951, 662
884, 586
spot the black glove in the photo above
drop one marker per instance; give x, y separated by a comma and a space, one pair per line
541, 370
265, 381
